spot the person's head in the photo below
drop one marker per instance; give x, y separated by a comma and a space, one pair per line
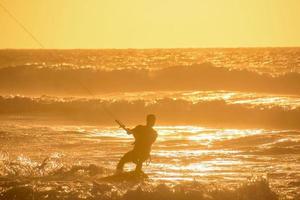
151, 120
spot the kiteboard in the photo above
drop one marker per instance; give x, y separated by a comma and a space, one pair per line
131, 176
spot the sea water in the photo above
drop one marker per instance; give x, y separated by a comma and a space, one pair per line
225, 118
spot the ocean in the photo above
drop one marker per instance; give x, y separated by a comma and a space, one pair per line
227, 122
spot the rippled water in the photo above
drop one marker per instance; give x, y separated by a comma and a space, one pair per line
262, 60
182, 153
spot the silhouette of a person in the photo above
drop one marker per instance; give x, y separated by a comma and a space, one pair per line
144, 136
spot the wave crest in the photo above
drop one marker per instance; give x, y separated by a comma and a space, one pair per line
169, 111
35, 80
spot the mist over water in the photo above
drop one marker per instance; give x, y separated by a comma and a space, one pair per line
225, 118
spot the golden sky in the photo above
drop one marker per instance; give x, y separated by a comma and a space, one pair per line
151, 23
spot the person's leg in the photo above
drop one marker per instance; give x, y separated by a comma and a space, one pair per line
128, 157
139, 165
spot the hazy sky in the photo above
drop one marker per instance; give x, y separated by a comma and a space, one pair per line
151, 23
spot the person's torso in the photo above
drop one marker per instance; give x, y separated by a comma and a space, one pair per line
144, 138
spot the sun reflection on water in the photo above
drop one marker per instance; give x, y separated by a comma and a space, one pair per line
180, 153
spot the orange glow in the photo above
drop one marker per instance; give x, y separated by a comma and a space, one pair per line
150, 24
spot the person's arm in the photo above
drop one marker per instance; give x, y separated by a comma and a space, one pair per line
128, 131
154, 137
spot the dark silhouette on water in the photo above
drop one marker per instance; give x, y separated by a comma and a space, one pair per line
144, 136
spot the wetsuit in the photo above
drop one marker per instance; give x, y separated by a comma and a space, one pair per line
144, 138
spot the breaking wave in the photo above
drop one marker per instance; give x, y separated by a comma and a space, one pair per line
170, 111
25, 179
39, 80
188, 191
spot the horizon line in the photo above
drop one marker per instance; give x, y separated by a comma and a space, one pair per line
153, 48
